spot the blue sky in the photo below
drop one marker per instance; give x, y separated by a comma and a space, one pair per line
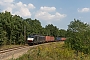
57, 12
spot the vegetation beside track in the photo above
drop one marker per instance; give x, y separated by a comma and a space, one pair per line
53, 51
9, 46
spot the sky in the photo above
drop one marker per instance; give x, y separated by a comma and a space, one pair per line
57, 12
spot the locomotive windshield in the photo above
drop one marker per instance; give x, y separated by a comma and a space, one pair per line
30, 36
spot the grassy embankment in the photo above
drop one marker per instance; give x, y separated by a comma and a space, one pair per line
53, 51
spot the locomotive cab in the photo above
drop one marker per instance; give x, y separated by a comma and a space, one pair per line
30, 39
35, 39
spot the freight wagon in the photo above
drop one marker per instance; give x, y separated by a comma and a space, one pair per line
49, 38
60, 38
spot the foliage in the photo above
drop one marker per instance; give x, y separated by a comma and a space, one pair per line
62, 33
51, 30
78, 36
11, 28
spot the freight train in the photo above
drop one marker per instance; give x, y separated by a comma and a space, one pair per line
35, 39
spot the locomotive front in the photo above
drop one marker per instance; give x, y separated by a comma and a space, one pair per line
30, 39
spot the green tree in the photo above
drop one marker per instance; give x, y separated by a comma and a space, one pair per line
33, 26
78, 37
51, 30
11, 26
62, 33
18, 29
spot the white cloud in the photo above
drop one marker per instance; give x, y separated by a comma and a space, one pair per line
59, 16
7, 1
17, 8
23, 12
48, 9
19, 4
23, 9
84, 10
31, 6
44, 15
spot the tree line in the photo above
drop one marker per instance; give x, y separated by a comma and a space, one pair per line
15, 29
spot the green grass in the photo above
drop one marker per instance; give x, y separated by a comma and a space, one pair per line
53, 51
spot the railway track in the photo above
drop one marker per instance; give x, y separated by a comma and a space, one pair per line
9, 53
11, 49
16, 48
